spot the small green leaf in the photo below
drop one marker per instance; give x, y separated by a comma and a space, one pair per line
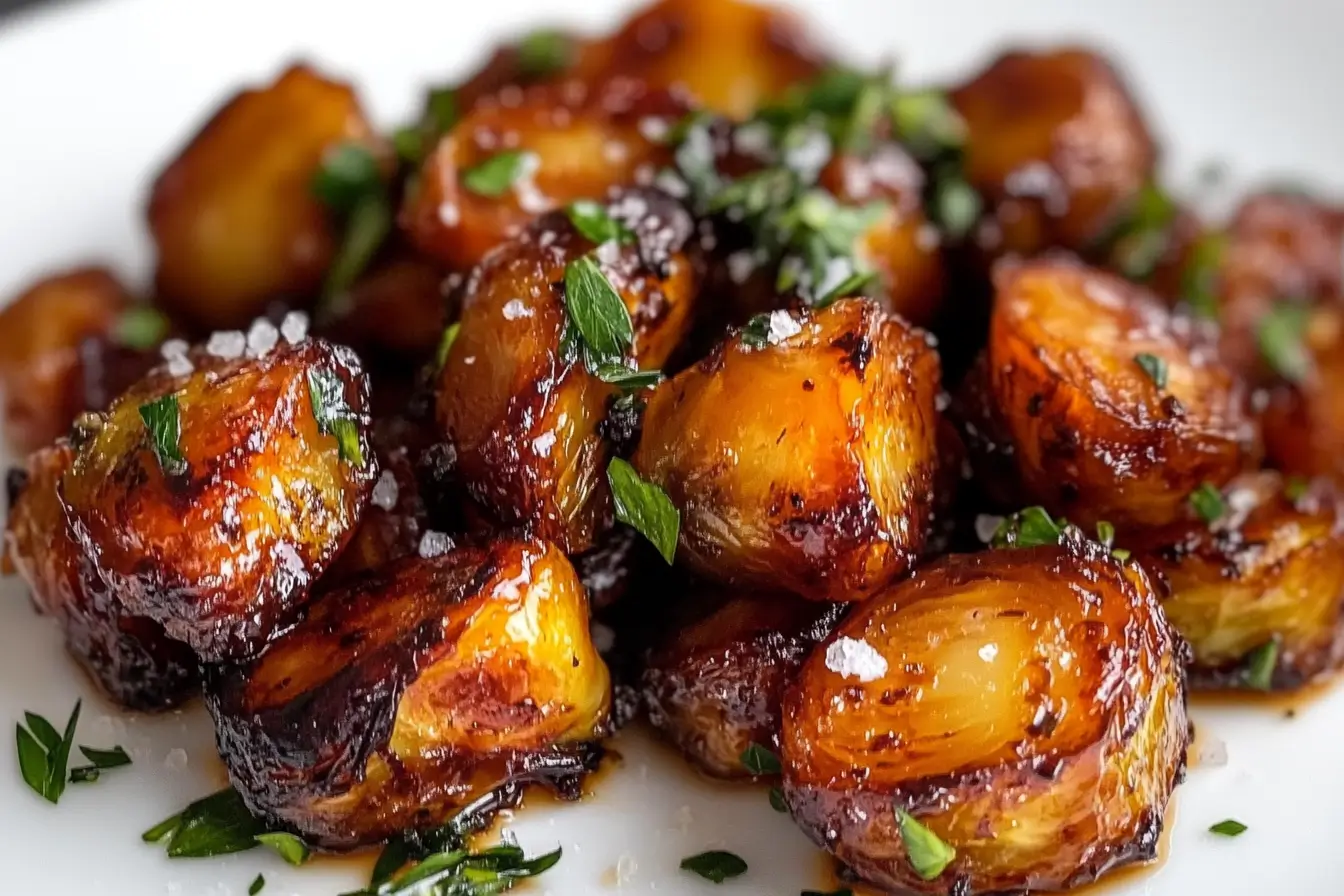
1155, 367
496, 175
1121, 554
593, 221
1199, 279
348, 173
59, 759
256, 886
105, 759
163, 423
446, 343
1295, 488
777, 800
333, 414
756, 333
392, 859
715, 865
758, 760
544, 53
1208, 502
1229, 828
597, 310
628, 380
644, 506
32, 761
140, 327
1260, 665
956, 205
366, 228
441, 111
1105, 533
162, 829
84, 774
290, 848
1028, 528
1281, 335
927, 123
44, 731
212, 826
927, 853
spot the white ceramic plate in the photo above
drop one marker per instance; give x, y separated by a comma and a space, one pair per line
93, 96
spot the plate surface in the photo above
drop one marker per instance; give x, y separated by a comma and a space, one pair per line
94, 96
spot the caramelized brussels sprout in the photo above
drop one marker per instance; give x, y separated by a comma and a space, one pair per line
41, 335
801, 455
1265, 579
714, 685
413, 691
233, 216
1026, 707
510, 159
525, 420
216, 490
731, 55
1113, 409
1055, 145
129, 657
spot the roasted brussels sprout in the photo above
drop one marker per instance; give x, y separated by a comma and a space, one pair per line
216, 490
731, 55
1026, 707
1056, 147
510, 159
522, 417
41, 337
234, 219
715, 684
801, 453
413, 691
1264, 581
129, 657
1110, 408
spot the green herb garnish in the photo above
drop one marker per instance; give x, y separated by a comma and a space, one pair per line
1142, 233
626, 379
1229, 828
593, 221
256, 886
446, 343
44, 754
1260, 664
544, 53
347, 174
927, 124
645, 506
1295, 488
496, 175
1105, 533
715, 865
1281, 334
1028, 528
756, 333
287, 846
99, 761
1199, 278
927, 853
956, 205
597, 311
1155, 367
211, 826
759, 760
163, 423
140, 327
1208, 502
333, 414
366, 229
457, 872
777, 800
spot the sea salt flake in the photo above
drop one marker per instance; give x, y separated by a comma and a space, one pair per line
180, 365
227, 345
385, 491
1212, 752
173, 348
852, 658
294, 327
435, 544
515, 309
782, 326
261, 338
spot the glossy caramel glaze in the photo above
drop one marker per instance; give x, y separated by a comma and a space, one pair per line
1272, 570
805, 465
223, 554
129, 657
234, 219
42, 332
714, 685
1091, 435
413, 691
580, 142
1055, 145
525, 425
1029, 709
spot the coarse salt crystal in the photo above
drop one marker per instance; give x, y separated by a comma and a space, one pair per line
261, 338
385, 491
449, 216
180, 365
515, 309
609, 252
1212, 752
782, 326
294, 327
741, 265
173, 348
542, 444
986, 525
227, 345
435, 544
852, 658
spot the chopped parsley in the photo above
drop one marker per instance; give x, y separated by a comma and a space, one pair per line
627, 379
597, 310
1281, 337
756, 332
99, 761
1105, 533
140, 327
460, 872
1028, 528
162, 420
544, 53
645, 506
211, 826
777, 800
1260, 665
1229, 828
446, 343
440, 113
716, 865
333, 415
925, 122
1155, 367
955, 206
287, 846
44, 753
1208, 502
594, 221
1295, 488
1142, 233
350, 184
348, 172
928, 854
496, 175
759, 760
1199, 278
256, 886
